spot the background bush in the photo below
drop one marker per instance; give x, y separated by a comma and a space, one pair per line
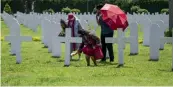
165, 11
40, 5
7, 8
66, 10
142, 11
135, 9
50, 11
75, 10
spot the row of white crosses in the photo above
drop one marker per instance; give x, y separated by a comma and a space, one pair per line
14, 38
124, 39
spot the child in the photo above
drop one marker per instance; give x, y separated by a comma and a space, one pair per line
90, 46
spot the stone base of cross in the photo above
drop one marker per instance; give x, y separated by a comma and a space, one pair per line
16, 45
68, 40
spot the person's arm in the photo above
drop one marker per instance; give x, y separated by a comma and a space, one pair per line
97, 18
79, 25
80, 47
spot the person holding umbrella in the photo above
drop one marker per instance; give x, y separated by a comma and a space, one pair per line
110, 17
106, 31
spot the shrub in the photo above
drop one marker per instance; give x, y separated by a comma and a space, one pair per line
142, 11
7, 9
66, 10
134, 8
168, 33
75, 10
49, 11
165, 11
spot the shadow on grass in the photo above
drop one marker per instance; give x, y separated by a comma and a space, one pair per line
60, 60
135, 54
164, 70
45, 47
56, 57
122, 66
74, 60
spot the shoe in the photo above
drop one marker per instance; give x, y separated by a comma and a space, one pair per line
111, 60
103, 61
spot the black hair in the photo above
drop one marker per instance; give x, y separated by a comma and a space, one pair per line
98, 7
63, 22
83, 32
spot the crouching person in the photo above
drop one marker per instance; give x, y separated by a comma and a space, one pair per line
90, 46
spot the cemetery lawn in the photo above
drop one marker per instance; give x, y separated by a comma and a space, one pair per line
38, 68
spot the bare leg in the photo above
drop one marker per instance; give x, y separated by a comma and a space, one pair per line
94, 61
88, 60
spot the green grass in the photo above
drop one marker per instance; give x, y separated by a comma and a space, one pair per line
38, 68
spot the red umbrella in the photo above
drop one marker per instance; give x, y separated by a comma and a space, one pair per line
114, 17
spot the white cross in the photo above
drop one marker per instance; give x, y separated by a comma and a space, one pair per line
14, 28
161, 32
16, 42
56, 46
119, 41
146, 31
154, 42
133, 39
68, 40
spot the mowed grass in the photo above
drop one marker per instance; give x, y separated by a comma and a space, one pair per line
38, 68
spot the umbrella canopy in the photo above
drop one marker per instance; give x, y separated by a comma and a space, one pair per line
114, 16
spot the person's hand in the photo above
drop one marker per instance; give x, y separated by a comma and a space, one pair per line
74, 53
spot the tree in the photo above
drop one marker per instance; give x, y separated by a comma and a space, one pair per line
170, 15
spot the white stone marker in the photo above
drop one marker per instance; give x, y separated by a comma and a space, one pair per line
14, 29
68, 40
56, 46
161, 24
133, 38
146, 30
16, 42
119, 41
154, 42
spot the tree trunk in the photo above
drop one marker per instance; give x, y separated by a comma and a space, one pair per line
170, 15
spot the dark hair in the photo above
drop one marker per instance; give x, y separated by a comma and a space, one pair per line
98, 7
63, 22
83, 32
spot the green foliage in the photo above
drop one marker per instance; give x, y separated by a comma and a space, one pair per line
142, 11
165, 10
66, 10
134, 8
50, 11
168, 33
7, 8
75, 10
